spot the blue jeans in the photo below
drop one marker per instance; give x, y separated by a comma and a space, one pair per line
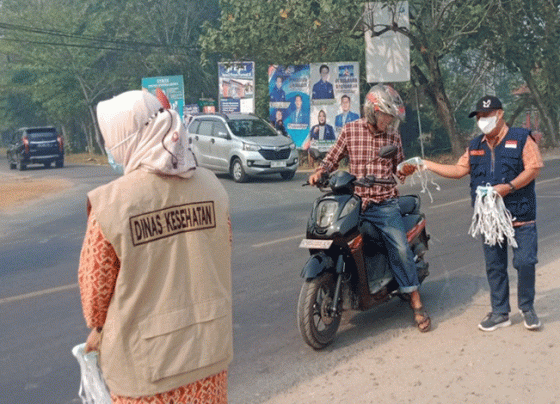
524, 260
386, 216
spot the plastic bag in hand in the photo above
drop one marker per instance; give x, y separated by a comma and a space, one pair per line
93, 389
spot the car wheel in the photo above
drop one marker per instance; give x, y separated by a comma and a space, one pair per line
20, 165
287, 175
237, 171
47, 165
59, 163
12, 164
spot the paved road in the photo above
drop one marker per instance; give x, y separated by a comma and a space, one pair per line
40, 313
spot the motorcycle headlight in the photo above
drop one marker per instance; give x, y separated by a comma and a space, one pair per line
349, 207
251, 147
326, 212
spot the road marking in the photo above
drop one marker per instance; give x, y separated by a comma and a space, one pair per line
450, 203
549, 180
280, 240
38, 293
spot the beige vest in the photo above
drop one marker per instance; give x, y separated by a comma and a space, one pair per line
169, 321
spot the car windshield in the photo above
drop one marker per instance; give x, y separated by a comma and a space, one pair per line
41, 134
251, 127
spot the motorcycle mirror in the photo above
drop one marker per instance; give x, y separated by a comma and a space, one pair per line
388, 151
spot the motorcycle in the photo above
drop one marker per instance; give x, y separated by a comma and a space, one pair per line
348, 268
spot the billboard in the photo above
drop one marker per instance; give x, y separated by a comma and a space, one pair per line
335, 101
289, 99
236, 81
387, 55
314, 101
172, 86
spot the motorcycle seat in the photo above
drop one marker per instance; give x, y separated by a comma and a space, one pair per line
409, 204
410, 221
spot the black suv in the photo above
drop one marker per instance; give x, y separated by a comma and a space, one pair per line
40, 145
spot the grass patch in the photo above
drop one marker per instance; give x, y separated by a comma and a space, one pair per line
86, 158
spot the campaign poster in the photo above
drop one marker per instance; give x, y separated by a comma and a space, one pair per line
172, 86
236, 81
387, 55
189, 110
335, 101
289, 100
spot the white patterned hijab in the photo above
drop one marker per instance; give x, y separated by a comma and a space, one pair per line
140, 133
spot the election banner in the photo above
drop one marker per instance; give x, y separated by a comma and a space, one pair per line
335, 101
289, 100
387, 55
188, 111
236, 81
172, 86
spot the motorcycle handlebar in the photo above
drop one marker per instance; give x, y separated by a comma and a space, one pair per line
322, 182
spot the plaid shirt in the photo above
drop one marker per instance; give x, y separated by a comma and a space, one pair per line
361, 145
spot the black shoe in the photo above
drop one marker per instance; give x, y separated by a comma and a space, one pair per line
494, 321
530, 319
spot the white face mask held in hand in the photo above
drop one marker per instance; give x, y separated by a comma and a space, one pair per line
423, 174
488, 124
491, 218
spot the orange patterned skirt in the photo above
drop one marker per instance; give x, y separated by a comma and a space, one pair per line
210, 390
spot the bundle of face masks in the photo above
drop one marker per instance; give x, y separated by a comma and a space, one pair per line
422, 173
491, 218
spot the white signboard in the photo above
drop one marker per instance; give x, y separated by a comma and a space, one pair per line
236, 81
387, 55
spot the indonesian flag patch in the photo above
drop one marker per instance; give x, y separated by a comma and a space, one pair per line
511, 144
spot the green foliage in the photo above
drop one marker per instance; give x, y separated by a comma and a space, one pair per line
59, 58
524, 36
285, 32
62, 57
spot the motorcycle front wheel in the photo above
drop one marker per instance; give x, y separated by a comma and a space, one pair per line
317, 322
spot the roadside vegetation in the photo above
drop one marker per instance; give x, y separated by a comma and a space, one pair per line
59, 58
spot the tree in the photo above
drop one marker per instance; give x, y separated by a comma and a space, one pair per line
98, 48
524, 36
291, 32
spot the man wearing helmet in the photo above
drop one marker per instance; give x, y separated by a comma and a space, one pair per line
360, 141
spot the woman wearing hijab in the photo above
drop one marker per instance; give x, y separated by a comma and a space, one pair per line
155, 266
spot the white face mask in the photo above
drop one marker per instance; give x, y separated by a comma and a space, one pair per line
488, 124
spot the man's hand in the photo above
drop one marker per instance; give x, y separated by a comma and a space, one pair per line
408, 169
93, 341
502, 189
315, 177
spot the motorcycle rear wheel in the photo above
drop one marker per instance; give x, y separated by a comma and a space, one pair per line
316, 322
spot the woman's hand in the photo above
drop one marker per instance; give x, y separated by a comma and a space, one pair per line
93, 341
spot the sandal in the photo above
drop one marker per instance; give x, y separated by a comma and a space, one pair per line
425, 323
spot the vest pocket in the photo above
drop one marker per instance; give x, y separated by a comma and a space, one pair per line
510, 167
186, 340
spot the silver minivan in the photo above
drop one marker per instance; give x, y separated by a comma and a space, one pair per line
241, 144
